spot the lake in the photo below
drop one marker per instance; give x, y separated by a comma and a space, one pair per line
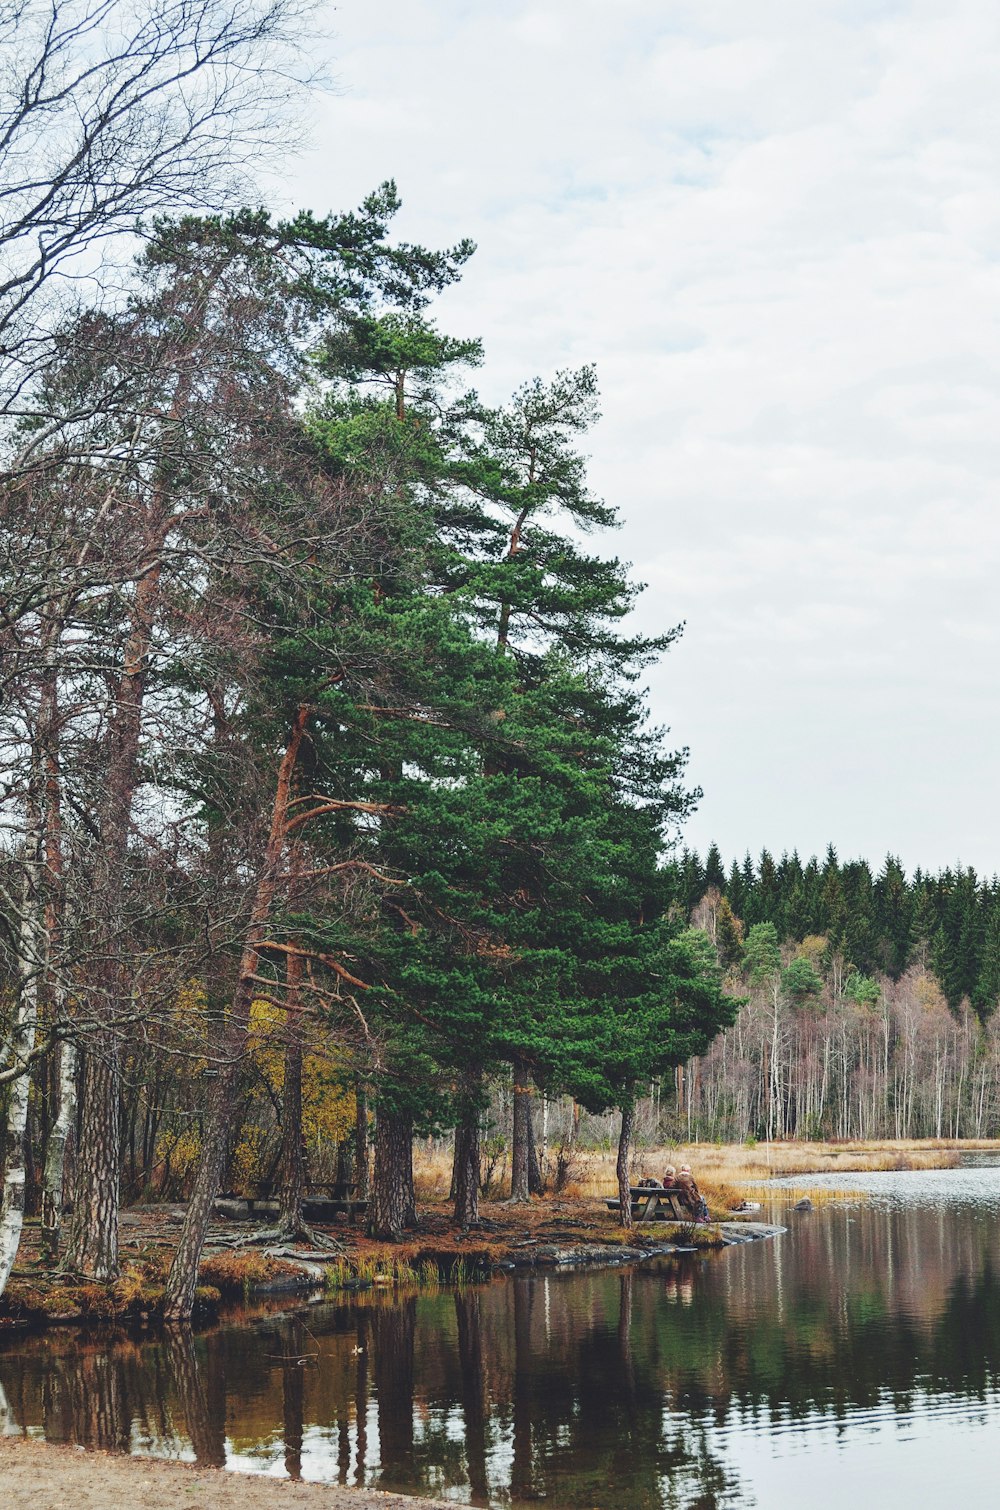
856, 1355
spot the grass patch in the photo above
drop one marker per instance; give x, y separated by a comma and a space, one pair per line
137, 1295
236, 1275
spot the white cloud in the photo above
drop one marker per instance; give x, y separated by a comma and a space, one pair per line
776, 228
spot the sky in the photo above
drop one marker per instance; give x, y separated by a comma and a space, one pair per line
775, 229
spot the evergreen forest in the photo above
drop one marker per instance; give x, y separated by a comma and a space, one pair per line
869, 999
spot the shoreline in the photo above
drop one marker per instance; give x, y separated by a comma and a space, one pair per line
569, 1240
573, 1229
38, 1475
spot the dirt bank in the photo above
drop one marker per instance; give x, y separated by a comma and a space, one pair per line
36, 1476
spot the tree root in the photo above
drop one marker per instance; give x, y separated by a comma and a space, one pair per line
302, 1233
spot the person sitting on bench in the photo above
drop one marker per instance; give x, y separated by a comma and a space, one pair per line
691, 1196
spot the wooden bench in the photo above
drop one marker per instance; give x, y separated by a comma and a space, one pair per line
317, 1206
655, 1203
332, 1197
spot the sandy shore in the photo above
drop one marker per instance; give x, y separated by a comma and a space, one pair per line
35, 1476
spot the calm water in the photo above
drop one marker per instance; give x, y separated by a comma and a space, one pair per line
858, 1354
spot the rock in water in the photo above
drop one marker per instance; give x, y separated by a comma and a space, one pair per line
804, 1205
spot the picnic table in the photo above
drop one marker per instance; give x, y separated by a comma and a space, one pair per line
322, 1202
656, 1203
333, 1196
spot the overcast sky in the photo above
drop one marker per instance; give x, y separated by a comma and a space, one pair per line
775, 229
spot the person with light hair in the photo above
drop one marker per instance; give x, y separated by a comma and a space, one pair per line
691, 1196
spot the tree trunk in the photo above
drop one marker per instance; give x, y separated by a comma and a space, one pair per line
467, 1175
93, 1243
458, 1156
520, 1188
93, 1237
292, 1189
65, 1066
31, 955
392, 1207
361, 1140
624, 1149
55, 1150
467, 1172
178, 1300
536, 1184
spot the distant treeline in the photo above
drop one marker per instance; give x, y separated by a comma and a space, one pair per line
880, 922
868, 999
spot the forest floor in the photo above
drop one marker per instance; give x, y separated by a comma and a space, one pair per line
571, 1227
37, 1476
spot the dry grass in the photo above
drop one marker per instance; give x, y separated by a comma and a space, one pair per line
431, 1173
235, 1274
736, 1164
731, 1172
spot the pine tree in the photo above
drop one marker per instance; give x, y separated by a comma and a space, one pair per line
833, 909
924, 921
987, 989
715, 874
692, 879
735, 890
797, 912
766, 904
859, 925
813, 887
894, 917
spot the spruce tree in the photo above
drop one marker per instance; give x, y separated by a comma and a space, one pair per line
735, 890
894, 917
715, 874
987, 989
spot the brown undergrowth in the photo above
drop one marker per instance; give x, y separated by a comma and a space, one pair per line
38, 1296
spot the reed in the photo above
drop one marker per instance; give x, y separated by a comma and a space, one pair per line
383, 1271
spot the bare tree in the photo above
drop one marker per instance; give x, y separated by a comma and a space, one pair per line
110, 114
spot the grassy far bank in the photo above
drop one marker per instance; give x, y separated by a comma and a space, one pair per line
728, 1173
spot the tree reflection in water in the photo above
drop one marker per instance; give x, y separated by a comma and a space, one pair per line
590, 1389
206, 1428
468, 1319
393, 1332
293, 1395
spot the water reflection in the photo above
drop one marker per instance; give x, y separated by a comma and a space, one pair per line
699, 1383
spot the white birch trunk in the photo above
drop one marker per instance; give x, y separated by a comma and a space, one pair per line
55, 1152
22, 1042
